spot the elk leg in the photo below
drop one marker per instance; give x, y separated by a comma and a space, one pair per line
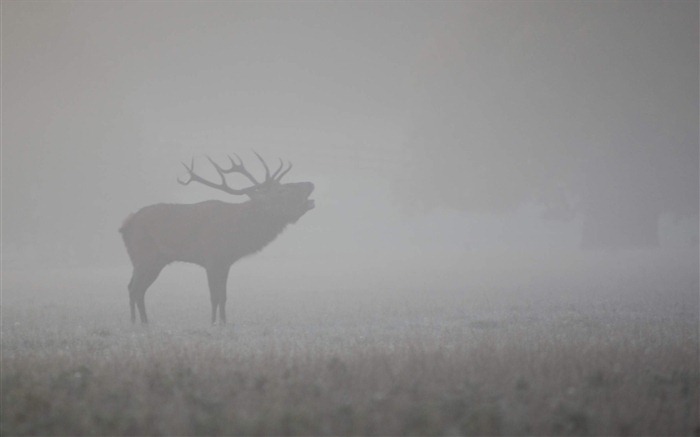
140, 281
132, 301
132, 304
222, 296
214, 305
217, 289
222, 306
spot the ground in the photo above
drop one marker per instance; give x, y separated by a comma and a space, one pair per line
596, 345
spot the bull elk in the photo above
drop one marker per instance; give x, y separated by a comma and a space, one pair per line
212, 234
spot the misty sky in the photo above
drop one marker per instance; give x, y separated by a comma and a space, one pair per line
101, 101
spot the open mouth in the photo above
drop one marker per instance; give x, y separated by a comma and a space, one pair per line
310, 204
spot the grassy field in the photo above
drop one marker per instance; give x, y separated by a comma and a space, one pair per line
590, 346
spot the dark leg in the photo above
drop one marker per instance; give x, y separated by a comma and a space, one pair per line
214, 301
222, 305
217, 277
132, 301
142, 278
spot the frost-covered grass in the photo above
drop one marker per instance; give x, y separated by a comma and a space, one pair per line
582, 348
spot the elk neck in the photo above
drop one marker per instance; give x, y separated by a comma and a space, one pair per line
253, 226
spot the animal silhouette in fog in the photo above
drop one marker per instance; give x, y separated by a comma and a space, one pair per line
212, 234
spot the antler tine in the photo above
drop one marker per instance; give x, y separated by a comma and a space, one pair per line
189, 172
279, 178
216, 166
221, 186
267, 170
274, 175
240, 168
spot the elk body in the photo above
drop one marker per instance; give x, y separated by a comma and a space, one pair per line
212, 234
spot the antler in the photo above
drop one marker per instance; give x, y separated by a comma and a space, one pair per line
276, 176
223, 186
279, 178
235, 168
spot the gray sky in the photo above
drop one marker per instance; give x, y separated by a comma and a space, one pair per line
102, 100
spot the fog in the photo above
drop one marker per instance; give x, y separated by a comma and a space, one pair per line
415, 121
470, 160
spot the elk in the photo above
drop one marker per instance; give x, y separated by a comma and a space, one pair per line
212, 234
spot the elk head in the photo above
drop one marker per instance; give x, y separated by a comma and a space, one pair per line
288, 201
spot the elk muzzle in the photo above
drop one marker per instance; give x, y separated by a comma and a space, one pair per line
308, 188
300, 202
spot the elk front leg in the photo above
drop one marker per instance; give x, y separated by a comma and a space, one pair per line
222, 305
217, 277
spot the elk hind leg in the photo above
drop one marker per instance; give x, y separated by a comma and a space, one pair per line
141, 279
132, 301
